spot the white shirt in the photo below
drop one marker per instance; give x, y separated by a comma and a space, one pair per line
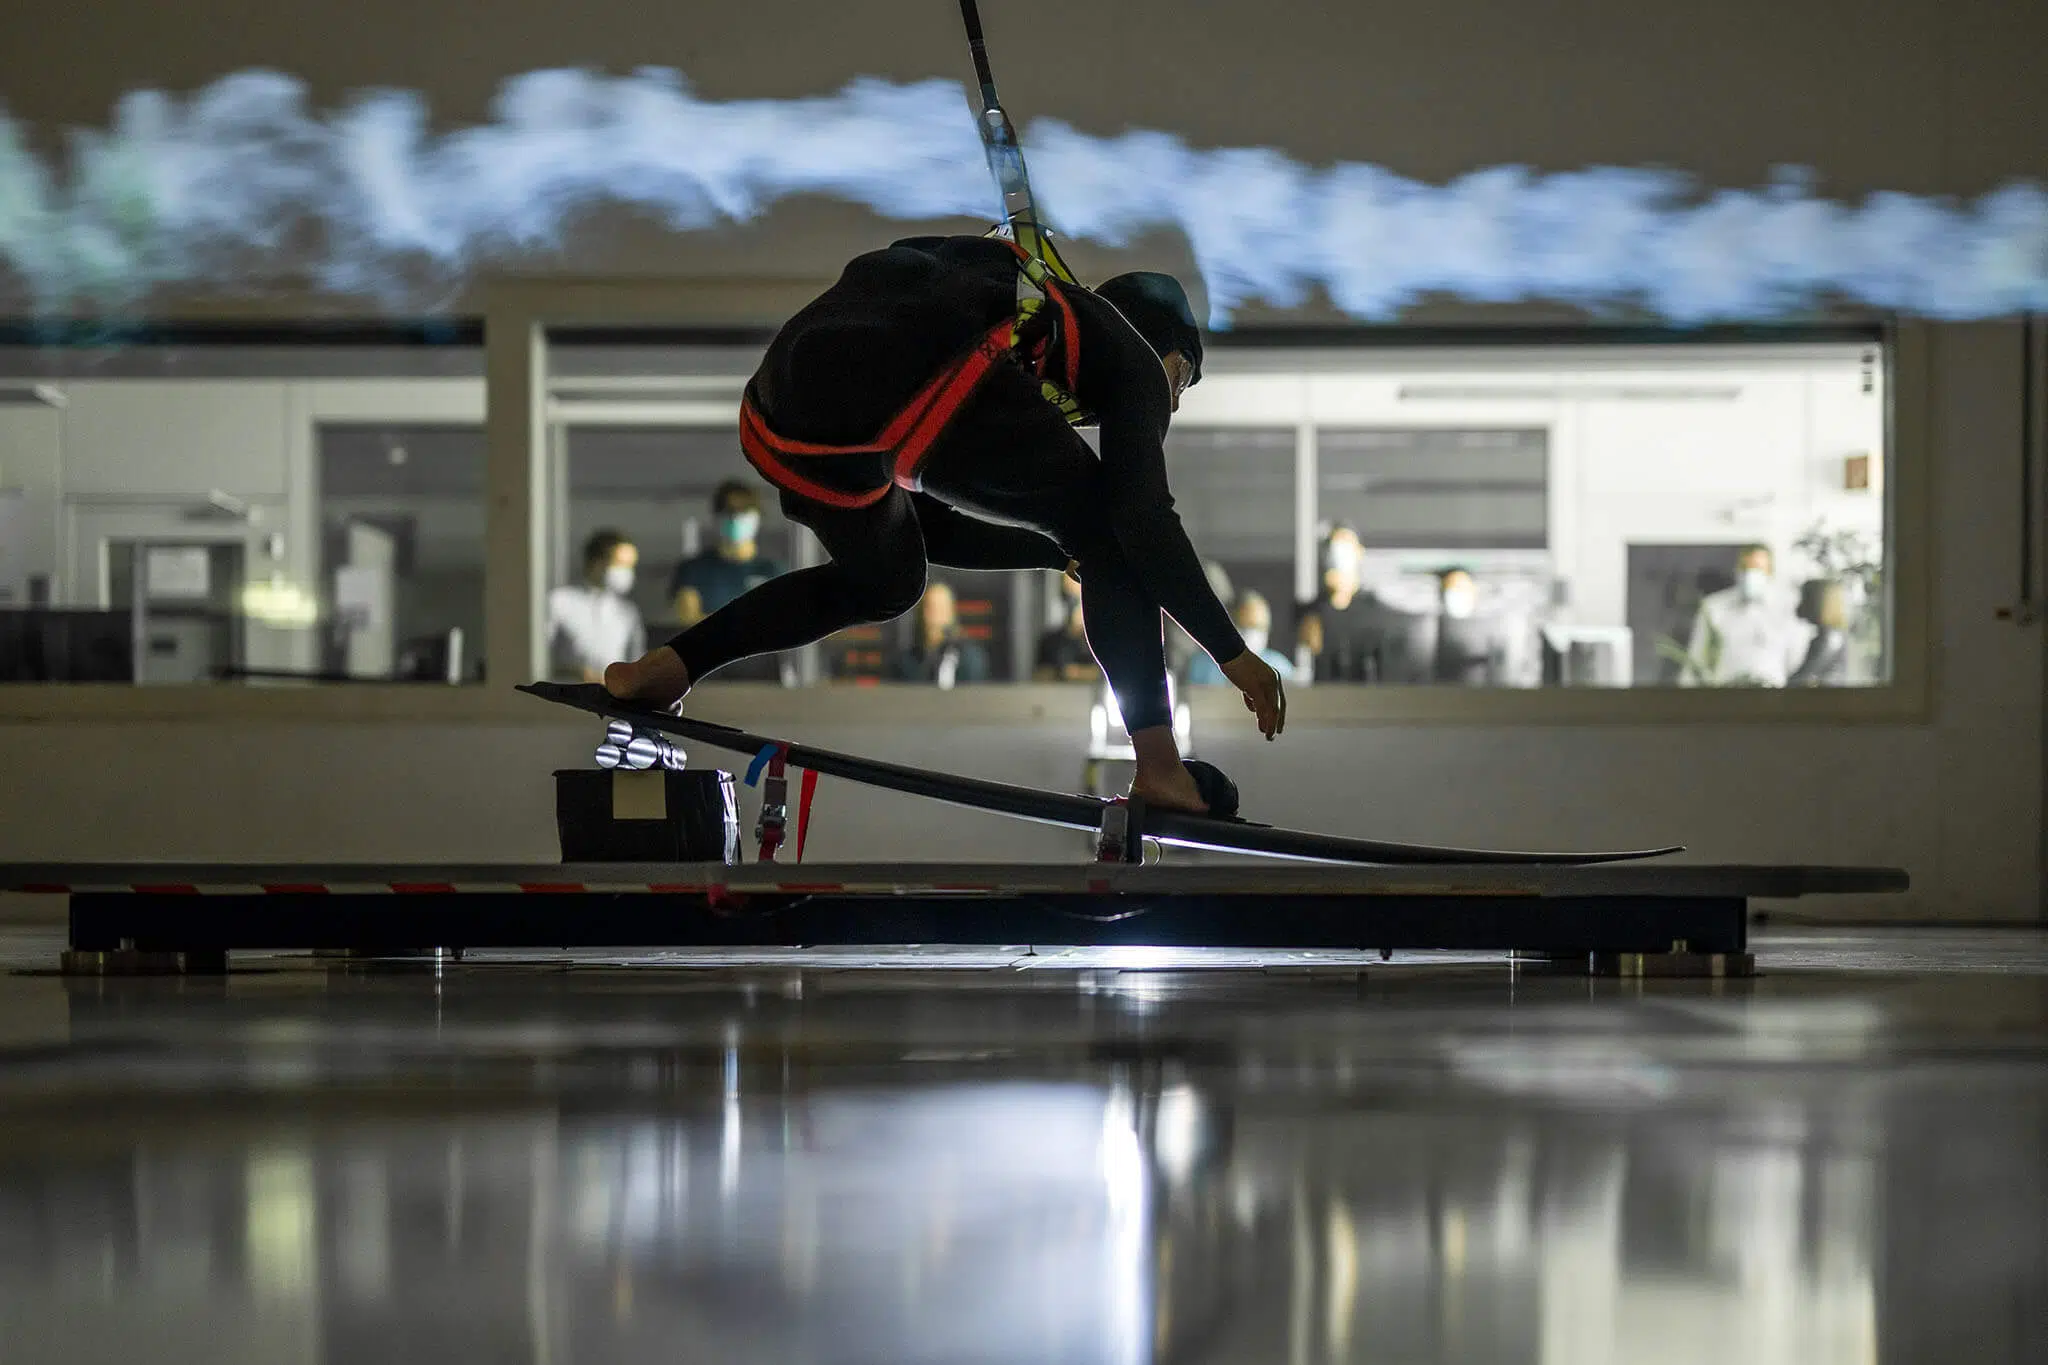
1736, 641
589, 627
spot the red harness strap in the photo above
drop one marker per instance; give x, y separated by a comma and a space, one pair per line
907, 441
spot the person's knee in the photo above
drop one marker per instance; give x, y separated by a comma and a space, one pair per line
886, 596
1088, 540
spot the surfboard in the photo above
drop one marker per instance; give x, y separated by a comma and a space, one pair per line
1068, 809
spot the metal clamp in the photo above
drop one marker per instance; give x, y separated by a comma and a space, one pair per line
1121, 837
772, 829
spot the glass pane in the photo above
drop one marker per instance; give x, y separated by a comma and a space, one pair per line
1234, 489
183, 512
969, 627
1710, 521
700, 529
654, 519
402, 552
1525, 516
1438, 489
646, 471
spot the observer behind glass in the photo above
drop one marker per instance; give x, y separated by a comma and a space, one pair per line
593, 622
1749, 635
734, 564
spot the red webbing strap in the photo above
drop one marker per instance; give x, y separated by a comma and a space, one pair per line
808, 790
1069, 339
762, 449
907, 439
961, 382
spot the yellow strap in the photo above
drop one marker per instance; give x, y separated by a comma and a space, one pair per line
1040, 261
1044, 256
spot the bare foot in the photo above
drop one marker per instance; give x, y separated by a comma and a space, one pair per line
657, 678
1171, 789
1161, 780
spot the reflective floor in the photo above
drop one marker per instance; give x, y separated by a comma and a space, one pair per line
969, 1158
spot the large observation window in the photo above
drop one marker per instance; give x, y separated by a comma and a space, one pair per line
269, 510
1573, 515
1389, 519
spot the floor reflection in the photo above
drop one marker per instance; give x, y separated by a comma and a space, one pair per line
551, 1172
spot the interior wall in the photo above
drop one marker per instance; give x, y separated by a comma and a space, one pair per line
1762, 467
1929, 96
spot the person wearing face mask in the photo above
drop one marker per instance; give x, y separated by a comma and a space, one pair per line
922, 411
594, 623
704, 583
1254, 617
1347, 634
1470, 650
1749, 635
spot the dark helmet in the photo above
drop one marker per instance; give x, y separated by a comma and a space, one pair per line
1158, 307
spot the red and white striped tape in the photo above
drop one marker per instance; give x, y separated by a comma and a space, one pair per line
442, 888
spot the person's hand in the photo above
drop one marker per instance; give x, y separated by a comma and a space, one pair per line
1263, 694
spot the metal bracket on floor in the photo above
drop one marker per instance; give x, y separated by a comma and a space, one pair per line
143, 962
1680, 962
1674, 965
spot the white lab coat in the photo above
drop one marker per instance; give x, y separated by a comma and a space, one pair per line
1736, 642
589, 627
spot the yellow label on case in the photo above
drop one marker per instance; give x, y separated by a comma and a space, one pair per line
640, 795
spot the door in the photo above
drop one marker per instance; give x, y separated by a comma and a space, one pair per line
14, 558
30, 441
363, 592
180, 578
1666, 584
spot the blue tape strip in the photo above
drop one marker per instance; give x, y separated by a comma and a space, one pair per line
761, 760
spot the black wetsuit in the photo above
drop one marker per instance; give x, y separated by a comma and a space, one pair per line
842, 367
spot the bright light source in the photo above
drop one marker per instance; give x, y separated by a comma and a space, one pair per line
277, 602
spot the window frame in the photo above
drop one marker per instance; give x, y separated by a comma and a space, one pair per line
520, 312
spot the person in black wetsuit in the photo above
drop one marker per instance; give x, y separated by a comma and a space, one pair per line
1004, 483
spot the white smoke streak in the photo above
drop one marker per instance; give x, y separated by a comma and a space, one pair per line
240, 186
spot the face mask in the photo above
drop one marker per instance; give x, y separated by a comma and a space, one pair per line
740, 527
1459, 603
1255, 639
1752, 583
1343, 561
618, 579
